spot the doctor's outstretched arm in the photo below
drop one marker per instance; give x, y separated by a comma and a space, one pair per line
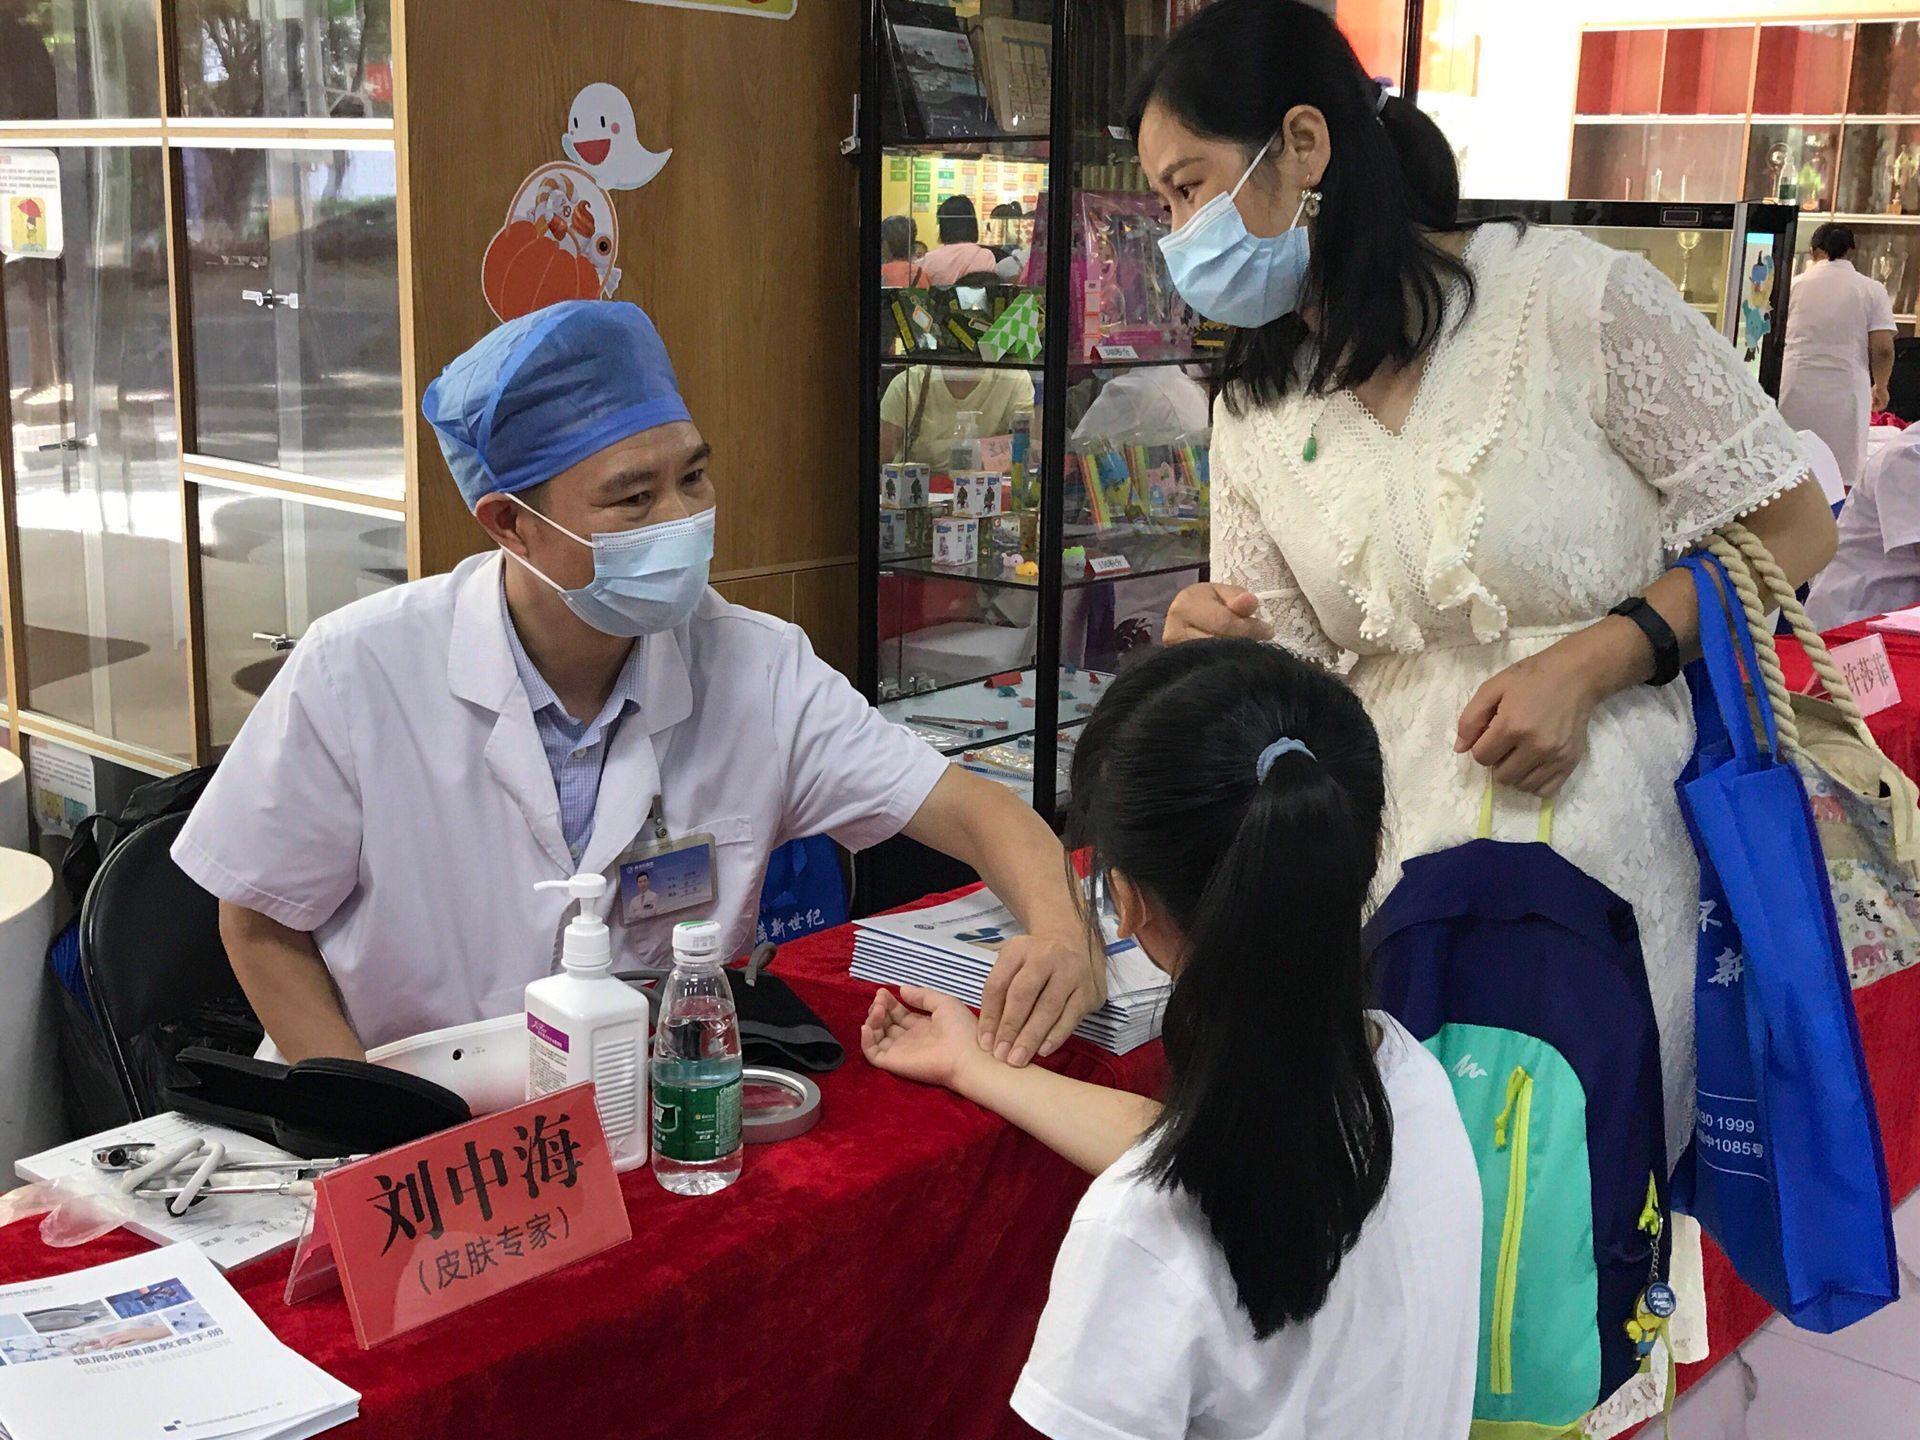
1045, 981
288, 986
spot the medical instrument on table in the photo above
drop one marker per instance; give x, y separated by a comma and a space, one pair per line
185, 1174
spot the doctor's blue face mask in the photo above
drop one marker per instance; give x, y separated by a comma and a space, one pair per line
644, 581
1231, 276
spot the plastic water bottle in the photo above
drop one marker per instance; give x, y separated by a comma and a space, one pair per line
696, 1069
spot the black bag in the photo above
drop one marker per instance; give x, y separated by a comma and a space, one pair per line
96, 836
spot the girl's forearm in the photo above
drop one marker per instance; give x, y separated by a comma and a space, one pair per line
1090, 1125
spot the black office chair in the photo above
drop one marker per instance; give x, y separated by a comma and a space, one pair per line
155, 970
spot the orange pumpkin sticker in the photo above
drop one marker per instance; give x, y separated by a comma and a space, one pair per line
558, 242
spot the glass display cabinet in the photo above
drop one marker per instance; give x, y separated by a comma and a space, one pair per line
1822, 115
1033, 481
1732, 263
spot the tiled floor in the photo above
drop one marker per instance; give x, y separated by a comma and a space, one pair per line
1785, 1384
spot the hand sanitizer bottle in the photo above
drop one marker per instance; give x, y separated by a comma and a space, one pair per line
584, 1024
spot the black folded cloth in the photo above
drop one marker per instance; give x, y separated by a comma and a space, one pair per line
776, 1026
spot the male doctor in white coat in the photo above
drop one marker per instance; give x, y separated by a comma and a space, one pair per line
576, 701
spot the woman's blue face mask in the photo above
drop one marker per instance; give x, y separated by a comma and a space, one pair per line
1231, 276
645, 580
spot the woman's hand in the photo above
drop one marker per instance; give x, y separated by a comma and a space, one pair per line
928, 1039
1528, 724
1206, 611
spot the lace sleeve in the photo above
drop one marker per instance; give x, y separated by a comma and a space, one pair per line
1684, 412
1244, 553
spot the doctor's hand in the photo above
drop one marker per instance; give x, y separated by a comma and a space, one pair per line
1206, 611
929, 1038
1040, 988
1528, 724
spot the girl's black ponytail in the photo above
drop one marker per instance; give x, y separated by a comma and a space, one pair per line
1276, 1121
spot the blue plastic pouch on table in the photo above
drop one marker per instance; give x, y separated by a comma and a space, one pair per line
1785, 1170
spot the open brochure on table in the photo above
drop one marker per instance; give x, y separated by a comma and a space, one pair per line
952, 948
155, 1347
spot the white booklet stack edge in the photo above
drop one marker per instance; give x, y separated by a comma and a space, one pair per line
158, 1345
952, 948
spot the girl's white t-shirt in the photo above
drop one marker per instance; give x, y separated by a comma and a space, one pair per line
1144, 1336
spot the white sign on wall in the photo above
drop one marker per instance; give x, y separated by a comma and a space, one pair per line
29, 203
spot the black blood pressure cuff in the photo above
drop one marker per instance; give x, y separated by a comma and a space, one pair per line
777, 1028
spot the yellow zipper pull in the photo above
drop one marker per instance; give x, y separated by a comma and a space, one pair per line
1650, 1212
1515, 1083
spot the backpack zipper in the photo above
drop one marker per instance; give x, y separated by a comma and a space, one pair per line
1506, 1275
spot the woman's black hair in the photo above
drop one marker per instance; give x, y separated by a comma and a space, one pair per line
959, 222
1276, 1121
896, 238
1377, 283
1833, 241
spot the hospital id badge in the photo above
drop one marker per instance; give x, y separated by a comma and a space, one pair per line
664, 876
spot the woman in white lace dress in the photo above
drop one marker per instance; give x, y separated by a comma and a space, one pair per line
1451, 453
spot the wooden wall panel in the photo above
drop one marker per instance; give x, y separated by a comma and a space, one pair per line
826, 604
771, 593
744, 249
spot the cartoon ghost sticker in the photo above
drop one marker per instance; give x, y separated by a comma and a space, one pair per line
561, 235
601, 137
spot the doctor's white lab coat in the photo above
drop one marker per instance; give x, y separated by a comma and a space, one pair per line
1825, 383
390, 795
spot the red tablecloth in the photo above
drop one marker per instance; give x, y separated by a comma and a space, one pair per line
881, 1275
1889, 1013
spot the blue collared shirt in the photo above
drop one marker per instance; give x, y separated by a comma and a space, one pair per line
576, 750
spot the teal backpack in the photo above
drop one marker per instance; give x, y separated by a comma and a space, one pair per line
1523, 976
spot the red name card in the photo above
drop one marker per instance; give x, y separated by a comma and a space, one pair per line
425, 1229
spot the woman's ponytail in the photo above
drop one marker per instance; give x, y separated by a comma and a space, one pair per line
1276, 1121
1426, 162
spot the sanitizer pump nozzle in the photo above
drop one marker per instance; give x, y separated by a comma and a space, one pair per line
589, 944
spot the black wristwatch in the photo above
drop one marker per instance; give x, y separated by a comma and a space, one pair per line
1666, 646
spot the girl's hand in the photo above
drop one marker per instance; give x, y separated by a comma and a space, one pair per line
928, 1039
1528, 724
1204, 611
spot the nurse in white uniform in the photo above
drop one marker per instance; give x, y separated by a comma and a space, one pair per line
1839, 353
576, 700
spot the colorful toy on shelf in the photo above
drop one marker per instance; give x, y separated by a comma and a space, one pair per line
956, 541
1126, 306
1016, 334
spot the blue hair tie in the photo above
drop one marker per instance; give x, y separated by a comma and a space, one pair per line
1285, 745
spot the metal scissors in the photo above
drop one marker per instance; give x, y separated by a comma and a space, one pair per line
183, 1175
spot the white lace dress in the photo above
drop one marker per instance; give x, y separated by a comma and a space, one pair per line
1577, 429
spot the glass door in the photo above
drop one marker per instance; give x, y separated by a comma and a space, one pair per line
293, 303
96, 493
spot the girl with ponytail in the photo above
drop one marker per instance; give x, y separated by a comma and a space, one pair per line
1289, 1244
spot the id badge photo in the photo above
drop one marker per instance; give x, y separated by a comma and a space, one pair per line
664, 876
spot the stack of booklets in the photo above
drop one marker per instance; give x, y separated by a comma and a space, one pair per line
952, 948
161, 1346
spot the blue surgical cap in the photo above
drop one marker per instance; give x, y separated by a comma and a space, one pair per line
545, 391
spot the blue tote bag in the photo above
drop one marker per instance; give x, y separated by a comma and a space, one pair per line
1785, 1170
